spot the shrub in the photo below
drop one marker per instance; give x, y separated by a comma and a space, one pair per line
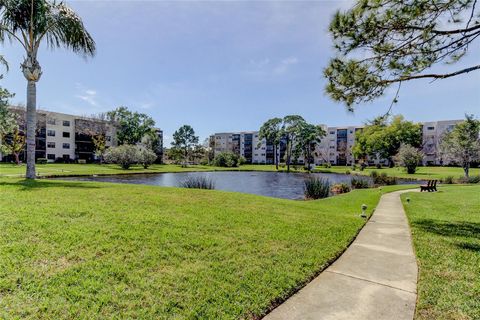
42, 160
327, 165
124, 155
359, 183
378, 166
382, 179
354, 167
316, 188
226, 159
471, 179
449, 180
242, 160
146, 157
409, 158
199, 182
347, 172
363, 165
340, 188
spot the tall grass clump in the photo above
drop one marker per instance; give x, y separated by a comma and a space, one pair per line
200, 182
316, 188
470, 179
382, 179
359, 183
449, 180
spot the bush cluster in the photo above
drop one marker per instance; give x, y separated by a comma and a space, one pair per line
359, 183
340, 188
227, 159
127, 155
470, 179
316, 188
382, 179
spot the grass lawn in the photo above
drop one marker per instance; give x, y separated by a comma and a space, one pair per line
423, 173
446, 235
91, 169
72, 250
54, 169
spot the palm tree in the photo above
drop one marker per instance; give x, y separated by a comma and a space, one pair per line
32, 22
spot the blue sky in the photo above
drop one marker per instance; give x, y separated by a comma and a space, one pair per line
219, 66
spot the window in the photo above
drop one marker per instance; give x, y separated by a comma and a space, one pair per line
50, 156
51, 121
66, 146
430, 128
51, 133
108, 138
66, 123
66, 134
332, 132
50, 144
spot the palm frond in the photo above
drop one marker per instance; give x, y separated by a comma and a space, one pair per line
33, 21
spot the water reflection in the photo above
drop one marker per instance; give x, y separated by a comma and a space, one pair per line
271, 184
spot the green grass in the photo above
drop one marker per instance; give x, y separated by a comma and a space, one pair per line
423, 173
71, 250
91, 169
446, 235
50, 170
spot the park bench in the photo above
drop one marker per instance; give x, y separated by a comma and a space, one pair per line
430, 186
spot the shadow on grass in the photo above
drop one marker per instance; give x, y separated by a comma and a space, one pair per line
469, 246
40, 184
450, 229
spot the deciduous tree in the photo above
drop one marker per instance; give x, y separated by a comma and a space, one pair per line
462, 144
383, 138
132, 126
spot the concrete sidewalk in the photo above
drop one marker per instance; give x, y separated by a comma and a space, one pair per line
375, 278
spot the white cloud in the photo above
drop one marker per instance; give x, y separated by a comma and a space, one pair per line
284, 65
87, 95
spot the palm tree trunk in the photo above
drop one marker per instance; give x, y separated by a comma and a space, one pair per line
31, 128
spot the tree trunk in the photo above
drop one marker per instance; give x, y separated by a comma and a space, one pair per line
17, 158
31, 128
466, 169
275, 156
288, 155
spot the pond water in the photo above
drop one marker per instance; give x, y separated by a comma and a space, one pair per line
271, 184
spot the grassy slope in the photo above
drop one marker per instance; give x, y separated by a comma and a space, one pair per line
446, 235
73, 250
90, 169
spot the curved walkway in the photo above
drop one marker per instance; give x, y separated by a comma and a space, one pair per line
375, 278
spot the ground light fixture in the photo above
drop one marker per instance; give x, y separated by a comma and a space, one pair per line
364, 207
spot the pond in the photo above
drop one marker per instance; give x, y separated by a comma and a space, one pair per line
271, 184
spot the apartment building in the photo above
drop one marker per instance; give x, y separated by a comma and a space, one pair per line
335, 148
64, 137
247, 144
432, 133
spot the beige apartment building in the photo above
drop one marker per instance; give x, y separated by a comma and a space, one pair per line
335, 148
64, 137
